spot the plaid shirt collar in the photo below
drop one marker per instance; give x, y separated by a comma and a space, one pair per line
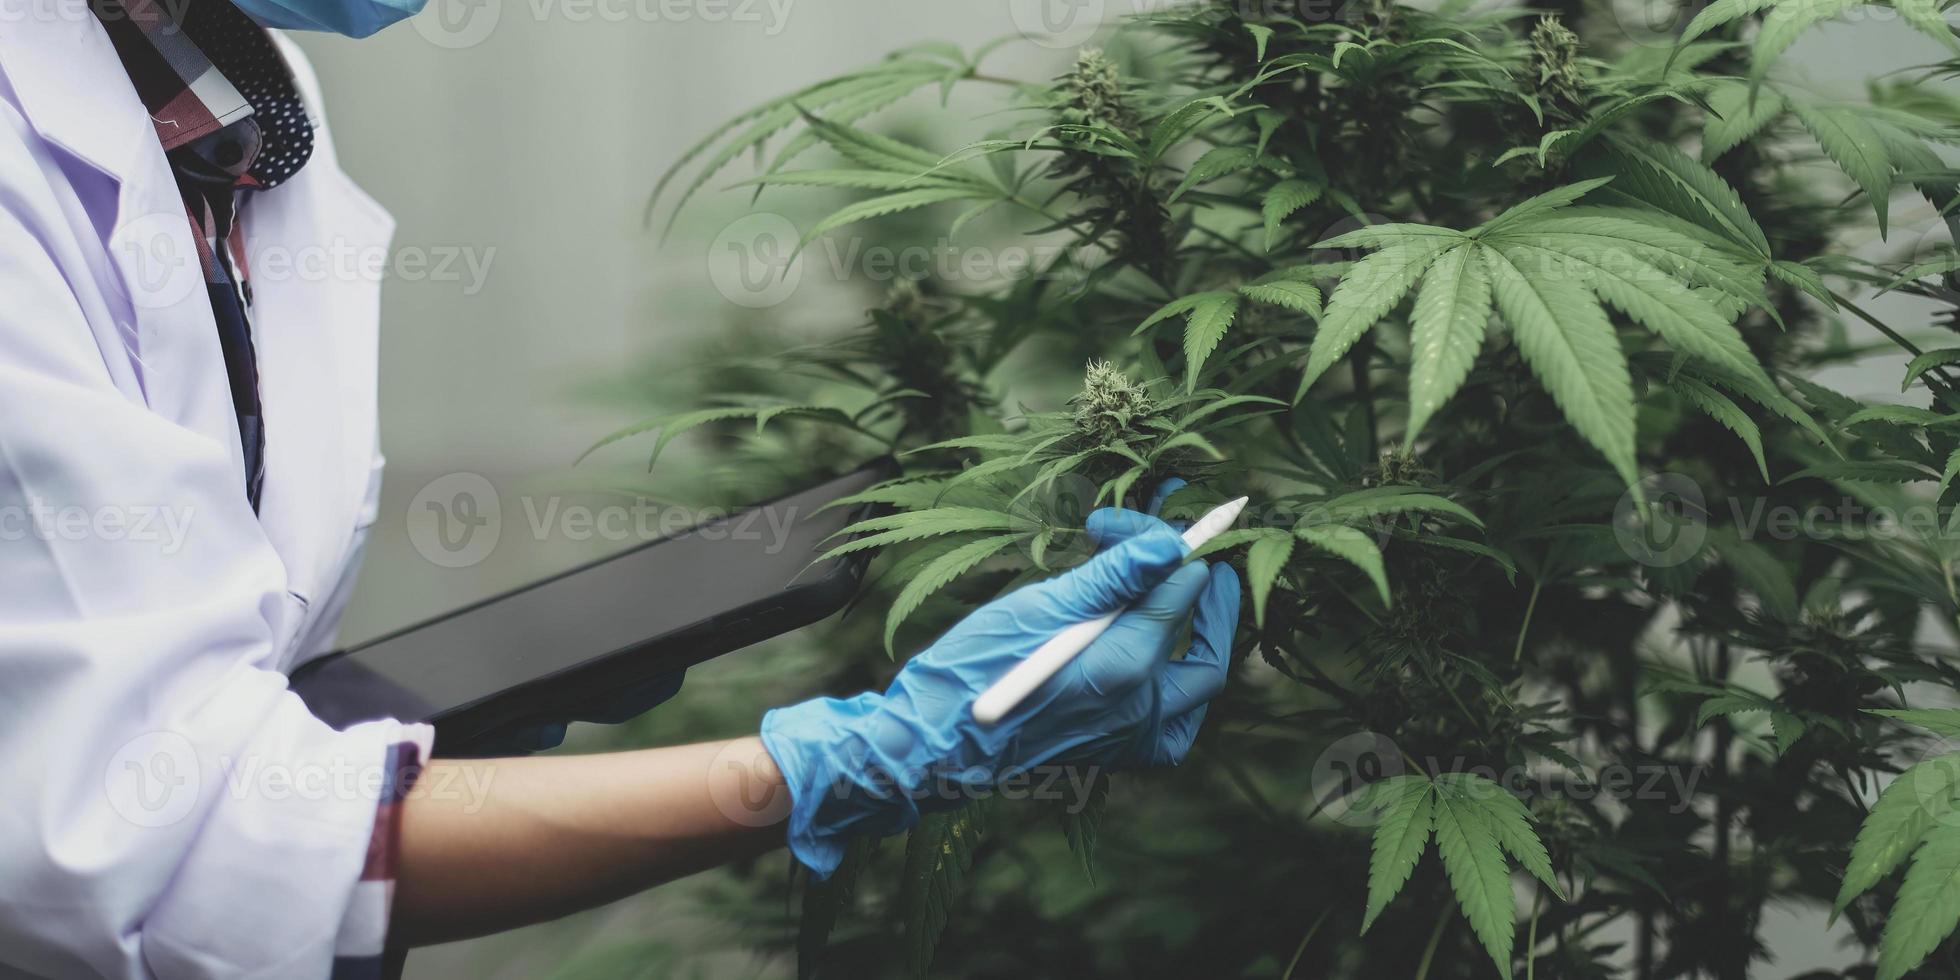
223, 102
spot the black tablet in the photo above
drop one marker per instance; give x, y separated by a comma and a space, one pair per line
557, 647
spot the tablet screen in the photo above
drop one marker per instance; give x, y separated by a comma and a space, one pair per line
733, 567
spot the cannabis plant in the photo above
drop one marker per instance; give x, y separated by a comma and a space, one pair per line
1586, 623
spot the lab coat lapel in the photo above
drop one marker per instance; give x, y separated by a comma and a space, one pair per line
160, 346
317, 247
315, 321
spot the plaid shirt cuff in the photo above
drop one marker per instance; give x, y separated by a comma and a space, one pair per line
359, 949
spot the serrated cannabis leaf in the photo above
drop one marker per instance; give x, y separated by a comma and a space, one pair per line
1510, 821
823, 902
1407, 804
1263, 563
1352, 546
1082, 822
1569, 344
1370, 289
1726, 412
1899, 415
1282, 200
1738, 116
1203, 329
939, 574
1928, 361
1661, 175
938, 854
1786, 21
1939, 721
1898, 821
1473, 859
1878, 471
1447, 331
1854, 145
1217, 162
1928, 906
1300, 297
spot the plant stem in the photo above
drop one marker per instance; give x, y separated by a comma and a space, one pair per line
1244, 783
1304, 940
1944, 390
1435, 939
1517, 654
1531, 936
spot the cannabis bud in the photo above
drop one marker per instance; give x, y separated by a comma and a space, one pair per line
906, 301
1110, 405
1555, 55
1091, 94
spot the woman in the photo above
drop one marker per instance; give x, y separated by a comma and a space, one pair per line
188, 464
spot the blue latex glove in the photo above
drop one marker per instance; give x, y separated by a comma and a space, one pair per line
868, 764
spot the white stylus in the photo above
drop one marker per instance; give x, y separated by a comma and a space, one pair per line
1006, 694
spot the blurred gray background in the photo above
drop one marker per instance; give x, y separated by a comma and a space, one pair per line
524, 136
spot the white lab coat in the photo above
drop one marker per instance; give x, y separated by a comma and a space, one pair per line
167, 807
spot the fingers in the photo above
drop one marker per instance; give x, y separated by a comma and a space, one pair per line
1110, 526
1169, 485
1140, 640
1118, 575
1179, 734
1191, 682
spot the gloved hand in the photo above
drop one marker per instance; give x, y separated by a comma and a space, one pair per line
868, 764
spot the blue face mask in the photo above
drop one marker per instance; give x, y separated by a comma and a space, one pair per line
354, 18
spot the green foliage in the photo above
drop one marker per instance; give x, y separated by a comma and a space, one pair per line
1475, 823
938, 855
1436, 290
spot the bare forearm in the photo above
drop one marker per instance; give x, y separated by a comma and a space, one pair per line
531, 839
